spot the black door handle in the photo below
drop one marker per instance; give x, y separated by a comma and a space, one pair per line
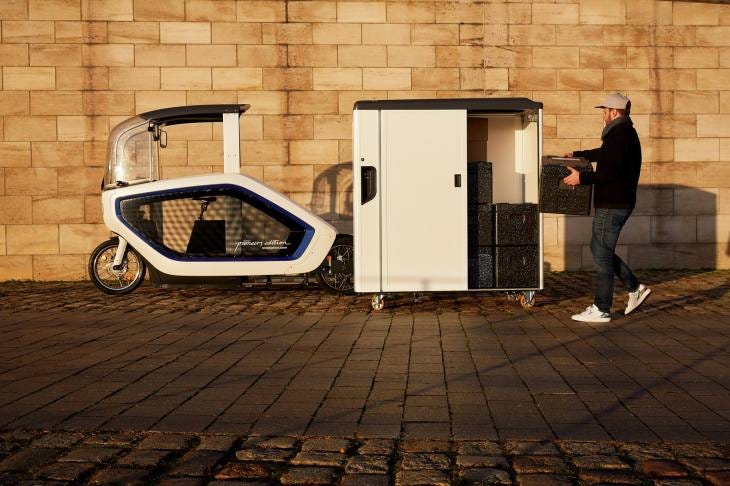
457, 180
368, 183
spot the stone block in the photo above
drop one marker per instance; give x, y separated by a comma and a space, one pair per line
60, 267
459, 56
674, 35
531, 35
57, 154
532, 78
81, 238
627, 35
672, 79
80, 180
566, 57
430, 34
636, 231
153, 100
432, 79
313, 11
30, 128
713, 228
362, 56
580, 79
673, 126
137, 78
29, 78
692, 201
313, 102
72, 32
236, 33
387, 78
289, 177
712, 79
14, 10
260, 56
210, 10
27, 181
95, 154
172, 78
390, 34
265, 102
205, 152
287, 78
265, 152
683, 173
602, 12
411, 13
15, 154
169, 10
286, 33
185, 32
696, 57
82, 78
313, 152
108, 55
32, 239
696, 14
602, 57
649, 57
517, 56
16, 268
134, 32
83, 128
673, 229
108, 103
579, 35
555, 13
310, 55
626, 79
336, 34
489, 79
337, 78
291, 127
361, 12
458, 13
235, 78
713, 126
14, 55
55, 55
15, 210
697, 149
709, 174
107, 10
22, 31
160, 55
698, 102
559, 102
261, 11
54, 210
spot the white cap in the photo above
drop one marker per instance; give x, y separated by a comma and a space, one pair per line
615, 100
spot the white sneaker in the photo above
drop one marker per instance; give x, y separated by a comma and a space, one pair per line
636, 298
592, 314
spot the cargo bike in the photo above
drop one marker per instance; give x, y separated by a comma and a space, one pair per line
213, 229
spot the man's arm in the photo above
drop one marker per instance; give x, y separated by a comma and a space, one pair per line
609, 167
591, 155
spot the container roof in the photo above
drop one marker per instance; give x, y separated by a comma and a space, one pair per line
471, 104
192, 114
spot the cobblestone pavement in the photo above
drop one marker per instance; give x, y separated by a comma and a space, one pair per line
296, 386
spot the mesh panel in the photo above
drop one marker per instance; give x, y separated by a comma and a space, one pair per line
212, 224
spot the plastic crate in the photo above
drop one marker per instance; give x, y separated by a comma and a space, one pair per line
481, 267
517, 224
480, 230
479, 182
517, 266
559, 198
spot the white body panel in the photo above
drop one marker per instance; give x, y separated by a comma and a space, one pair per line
314, 254
366, 230
424, 242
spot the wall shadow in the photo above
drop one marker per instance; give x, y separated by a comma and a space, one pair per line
332, 196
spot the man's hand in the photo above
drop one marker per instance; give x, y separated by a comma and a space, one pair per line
572, 179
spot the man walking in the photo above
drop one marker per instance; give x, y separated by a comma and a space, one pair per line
615, 181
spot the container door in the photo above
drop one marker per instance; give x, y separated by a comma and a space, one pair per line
366, 199
423, 161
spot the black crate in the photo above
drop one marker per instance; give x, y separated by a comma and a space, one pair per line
480, 231
517, 267
481, 267
479, 182
555, 195
517, 224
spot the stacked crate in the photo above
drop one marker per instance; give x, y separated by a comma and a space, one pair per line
481, 226
517, 245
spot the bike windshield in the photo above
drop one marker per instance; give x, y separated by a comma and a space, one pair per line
132, 154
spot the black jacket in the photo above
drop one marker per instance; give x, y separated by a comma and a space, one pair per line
618, 168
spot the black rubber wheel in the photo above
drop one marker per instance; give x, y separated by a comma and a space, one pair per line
115, 281
336, 273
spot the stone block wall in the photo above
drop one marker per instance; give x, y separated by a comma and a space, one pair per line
72, 69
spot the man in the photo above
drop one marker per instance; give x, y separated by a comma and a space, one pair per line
614, 197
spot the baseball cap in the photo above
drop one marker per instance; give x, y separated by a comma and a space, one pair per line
615, 100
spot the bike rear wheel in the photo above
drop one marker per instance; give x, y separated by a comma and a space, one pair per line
336, 274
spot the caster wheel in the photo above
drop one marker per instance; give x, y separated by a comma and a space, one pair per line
378, 302
511, 296
527, 299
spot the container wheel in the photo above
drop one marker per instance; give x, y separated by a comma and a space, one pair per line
335, 274
378, 302
527, 299
113, 280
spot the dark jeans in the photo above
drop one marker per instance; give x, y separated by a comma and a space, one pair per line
607, 224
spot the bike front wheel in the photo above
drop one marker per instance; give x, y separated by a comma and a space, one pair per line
115, 280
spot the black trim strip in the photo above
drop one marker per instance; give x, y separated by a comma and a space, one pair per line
470, 104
